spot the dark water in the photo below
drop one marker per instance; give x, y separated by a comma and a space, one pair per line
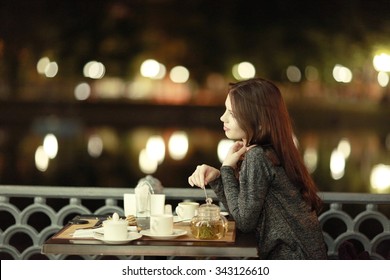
118, 163
344, 145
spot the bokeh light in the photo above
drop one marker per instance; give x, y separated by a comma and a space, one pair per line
51, 69
243, 70
155, 148
95, 146
153, 69
337, 164
311, 73
179, 74
42, 64
94, 70
223, 147
82, 91
383, 79
178, 145
41, 159
381, 62
147, 165
342, 74
380, 177
50, 145
344, 147
310, 158
293, 74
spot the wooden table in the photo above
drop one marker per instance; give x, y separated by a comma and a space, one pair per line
234, 245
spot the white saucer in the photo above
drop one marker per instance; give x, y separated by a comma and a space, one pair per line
176, 233
129, 229
130, 237
177, 219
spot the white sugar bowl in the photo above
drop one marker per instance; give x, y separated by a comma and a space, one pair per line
115, 228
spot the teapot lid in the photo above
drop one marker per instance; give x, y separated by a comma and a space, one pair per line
208, 207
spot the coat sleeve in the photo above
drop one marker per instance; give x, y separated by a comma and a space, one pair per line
244, 197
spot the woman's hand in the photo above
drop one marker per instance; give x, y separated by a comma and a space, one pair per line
202, 175
235, 153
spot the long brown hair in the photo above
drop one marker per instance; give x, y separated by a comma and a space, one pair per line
260, 111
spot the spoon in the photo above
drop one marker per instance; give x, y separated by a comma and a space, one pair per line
209, 200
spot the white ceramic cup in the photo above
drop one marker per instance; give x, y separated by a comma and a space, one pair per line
157, 202
186, 210
115, 230
161, 224
129, 204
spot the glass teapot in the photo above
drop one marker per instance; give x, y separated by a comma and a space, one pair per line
209, 223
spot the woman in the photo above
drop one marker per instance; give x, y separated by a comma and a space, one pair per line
263, 181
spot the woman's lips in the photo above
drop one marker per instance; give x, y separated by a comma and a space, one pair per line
225, 128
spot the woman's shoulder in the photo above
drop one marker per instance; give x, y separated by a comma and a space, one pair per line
256, 159
255, 153
255, 150
263, 154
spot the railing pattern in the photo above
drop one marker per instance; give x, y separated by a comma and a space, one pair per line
29, 215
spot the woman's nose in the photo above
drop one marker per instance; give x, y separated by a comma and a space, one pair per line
222, 117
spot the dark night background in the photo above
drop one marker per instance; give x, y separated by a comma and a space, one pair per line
207, 37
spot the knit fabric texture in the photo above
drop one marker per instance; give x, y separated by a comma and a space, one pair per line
264, 201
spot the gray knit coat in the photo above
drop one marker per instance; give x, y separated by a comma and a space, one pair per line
263, 200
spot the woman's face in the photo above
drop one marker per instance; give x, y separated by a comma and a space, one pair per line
230, 126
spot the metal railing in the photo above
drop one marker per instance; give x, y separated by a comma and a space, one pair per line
29, 215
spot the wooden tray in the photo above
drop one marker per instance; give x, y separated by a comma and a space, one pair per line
68, 230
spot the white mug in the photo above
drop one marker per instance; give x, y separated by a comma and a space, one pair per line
129, 204
157, 202
186, 210
161, 224
115, 230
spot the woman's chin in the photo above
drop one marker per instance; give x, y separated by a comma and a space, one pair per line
228, 135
